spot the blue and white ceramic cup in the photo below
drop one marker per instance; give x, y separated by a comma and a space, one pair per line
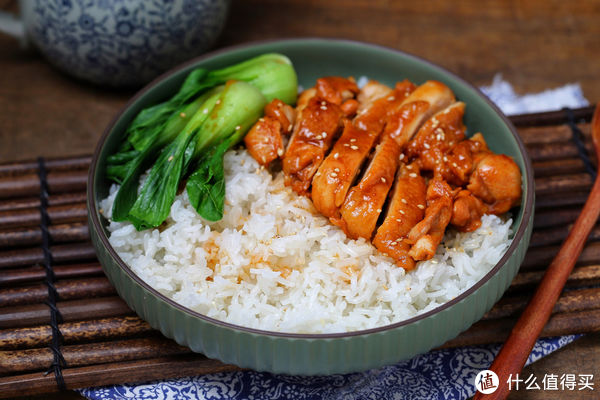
118, 42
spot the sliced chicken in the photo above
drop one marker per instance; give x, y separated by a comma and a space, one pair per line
372, 91
364, 202
497, 181
285, 114
316, 127
406, 209
427, 234
467, 211
437, 135
426, 100
339, 170
336, 89
378, 111
265, 141
458, 164
350, 108
331, 183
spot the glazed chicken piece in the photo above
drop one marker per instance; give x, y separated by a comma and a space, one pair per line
497, 181
335, 175
317, 126
467, 211
265, 141
459, 162
437, 136
286, 115
378, 111
363, 205
426, 100
336, 90
427, 234
339, 170
304, 98
406, 209
364, 202
372, 91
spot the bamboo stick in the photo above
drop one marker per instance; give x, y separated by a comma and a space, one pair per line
570, 301
34, 202
78, 355
60, 253
560, 199
555, 151
72, 310
533, 135
562, 183
51, 164
540, 257
63, 233
558, 167
112, 373
552, 117
67, 290
497, 330
73, 332
555, 235
61, 214
29, 185
550, 218
37, 273
581, 276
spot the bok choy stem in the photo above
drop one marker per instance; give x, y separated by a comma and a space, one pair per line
153, 204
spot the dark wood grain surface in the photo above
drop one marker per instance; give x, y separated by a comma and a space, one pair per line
534, 44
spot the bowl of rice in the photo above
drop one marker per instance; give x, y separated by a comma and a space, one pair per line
330, 304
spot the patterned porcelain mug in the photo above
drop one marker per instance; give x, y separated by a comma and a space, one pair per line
118, 42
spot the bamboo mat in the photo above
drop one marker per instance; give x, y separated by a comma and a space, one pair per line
103, 342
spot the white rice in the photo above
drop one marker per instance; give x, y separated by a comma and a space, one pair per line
274, 263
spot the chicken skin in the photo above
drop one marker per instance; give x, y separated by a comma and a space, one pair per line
497, 181
467, 211
427, 234
264, 141
406, 209
437, 136
317, 126
365, 201
426, 100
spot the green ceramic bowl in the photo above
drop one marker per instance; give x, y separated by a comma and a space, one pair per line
317, 353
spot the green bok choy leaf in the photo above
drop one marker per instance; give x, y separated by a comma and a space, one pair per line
229, 113
190, 133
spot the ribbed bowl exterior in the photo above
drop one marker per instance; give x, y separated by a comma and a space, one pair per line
310, 354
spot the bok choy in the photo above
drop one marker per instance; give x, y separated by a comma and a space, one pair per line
186, 137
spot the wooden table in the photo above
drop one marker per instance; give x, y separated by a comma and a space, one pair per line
534, 44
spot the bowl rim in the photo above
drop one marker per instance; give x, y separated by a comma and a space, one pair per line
518, 236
